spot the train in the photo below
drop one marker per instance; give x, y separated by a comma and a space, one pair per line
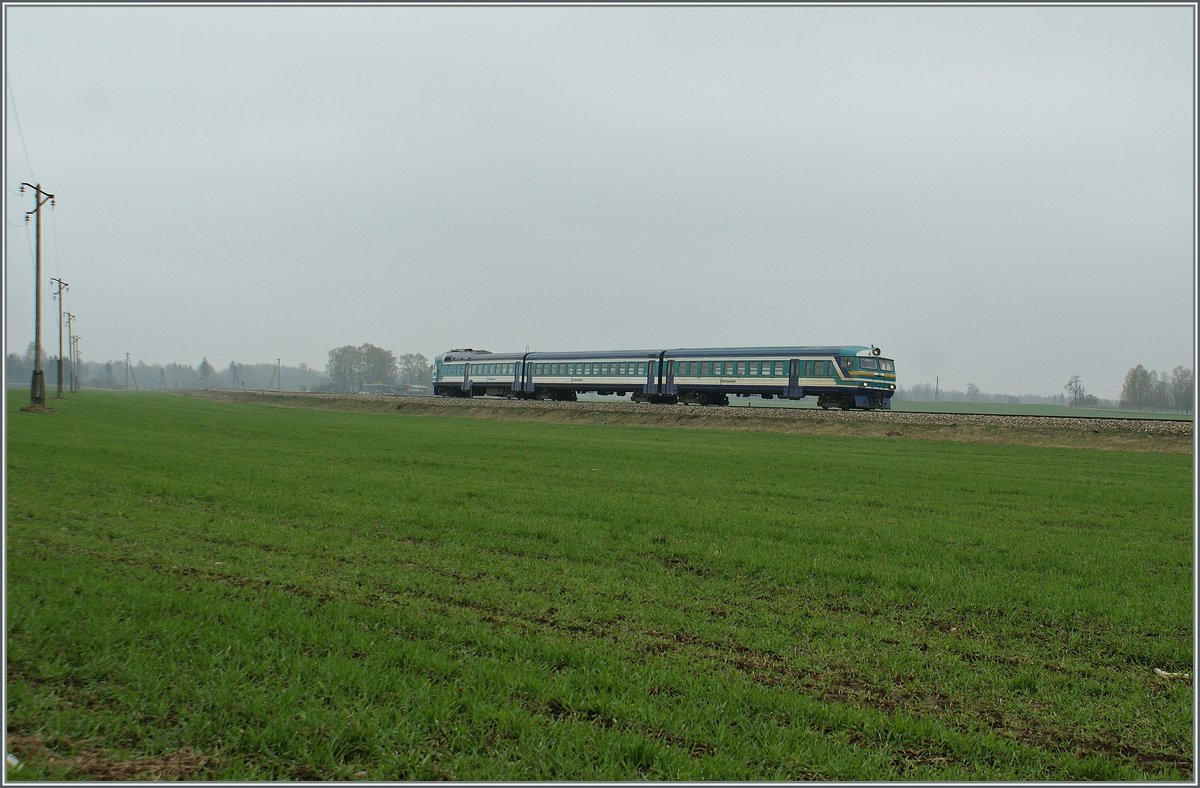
846, 377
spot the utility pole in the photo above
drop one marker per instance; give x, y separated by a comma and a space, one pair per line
58, 296
75, 375
37, 389
70, 352
129, 371
278, 376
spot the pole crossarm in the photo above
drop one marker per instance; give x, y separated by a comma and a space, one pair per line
42, 197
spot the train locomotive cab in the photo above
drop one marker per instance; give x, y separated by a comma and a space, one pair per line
866, 380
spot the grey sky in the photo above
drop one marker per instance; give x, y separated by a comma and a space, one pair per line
1001, 196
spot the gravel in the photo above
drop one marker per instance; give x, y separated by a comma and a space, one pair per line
897, 418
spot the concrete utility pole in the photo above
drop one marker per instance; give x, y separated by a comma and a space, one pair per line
37, 389
58, 296
70, 352
75, 347
129, 371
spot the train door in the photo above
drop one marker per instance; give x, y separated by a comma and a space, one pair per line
466, 384
793, 388
669, 388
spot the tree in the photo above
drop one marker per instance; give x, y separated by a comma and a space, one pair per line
1075, 388
345, 368
1183, 389
1138, 388
206, 369
15, 368
972, 392
378, 365
415, 370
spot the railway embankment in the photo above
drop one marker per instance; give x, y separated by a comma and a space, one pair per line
1153, 435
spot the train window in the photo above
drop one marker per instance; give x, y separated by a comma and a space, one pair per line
741, 368
868, 363
886, 365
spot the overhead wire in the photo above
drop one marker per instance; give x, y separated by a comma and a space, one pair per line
12, 96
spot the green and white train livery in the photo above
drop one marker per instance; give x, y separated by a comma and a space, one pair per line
852, 376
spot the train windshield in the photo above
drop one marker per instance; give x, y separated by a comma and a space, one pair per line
871, 362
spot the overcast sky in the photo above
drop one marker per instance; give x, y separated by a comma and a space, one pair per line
1001, 196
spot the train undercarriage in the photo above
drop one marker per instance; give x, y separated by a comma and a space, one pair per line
844, 401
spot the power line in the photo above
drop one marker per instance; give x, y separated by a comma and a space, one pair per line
54, 234
17, 116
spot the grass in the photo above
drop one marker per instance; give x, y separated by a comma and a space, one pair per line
206, 590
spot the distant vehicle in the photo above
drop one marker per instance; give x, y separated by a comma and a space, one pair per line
850, 376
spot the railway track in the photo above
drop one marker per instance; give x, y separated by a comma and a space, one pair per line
731, 415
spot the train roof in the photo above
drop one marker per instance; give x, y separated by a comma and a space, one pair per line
731, 352
784, 350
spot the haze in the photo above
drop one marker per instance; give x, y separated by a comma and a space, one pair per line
1002, 196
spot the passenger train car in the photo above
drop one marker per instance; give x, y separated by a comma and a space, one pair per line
852, 376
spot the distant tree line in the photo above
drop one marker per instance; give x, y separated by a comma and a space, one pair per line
1145, 389
367, 367
351, 369
140, 375
1142, 390
929, 392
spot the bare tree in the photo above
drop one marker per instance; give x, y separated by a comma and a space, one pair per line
1075, 389
1183, 389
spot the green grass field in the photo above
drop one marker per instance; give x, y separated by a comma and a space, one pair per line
220, 591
